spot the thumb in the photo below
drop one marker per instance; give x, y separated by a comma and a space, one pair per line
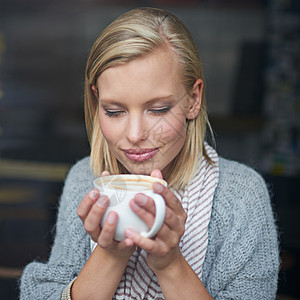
156, 173
105, 173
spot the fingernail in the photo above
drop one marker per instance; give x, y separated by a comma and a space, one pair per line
105, 173
129, 233
102, 201
112, 218
140, 199
128, 242
158, 187
94, 194
134, 206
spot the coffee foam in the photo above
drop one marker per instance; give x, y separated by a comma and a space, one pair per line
128, 182
130, 186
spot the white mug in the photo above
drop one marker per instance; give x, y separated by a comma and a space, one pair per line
120, 189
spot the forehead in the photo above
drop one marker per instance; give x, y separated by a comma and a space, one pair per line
157, 71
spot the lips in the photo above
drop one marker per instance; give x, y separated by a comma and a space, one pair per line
140, 155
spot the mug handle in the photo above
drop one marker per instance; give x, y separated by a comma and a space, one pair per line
160, 211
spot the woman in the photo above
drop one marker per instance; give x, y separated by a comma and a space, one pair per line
145, 112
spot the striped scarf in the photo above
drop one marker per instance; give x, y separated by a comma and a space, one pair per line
138, 281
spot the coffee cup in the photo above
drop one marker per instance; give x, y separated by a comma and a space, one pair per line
120, 189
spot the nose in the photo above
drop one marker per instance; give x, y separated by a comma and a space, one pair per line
136, 130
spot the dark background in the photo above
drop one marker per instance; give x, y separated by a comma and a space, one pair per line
250, 53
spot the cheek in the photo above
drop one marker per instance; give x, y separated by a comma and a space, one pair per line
178, 137
108, 130
174, 133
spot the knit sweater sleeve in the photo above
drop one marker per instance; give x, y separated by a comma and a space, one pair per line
71, 245
242, 259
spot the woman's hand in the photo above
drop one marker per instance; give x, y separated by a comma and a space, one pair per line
91, 210
163, 250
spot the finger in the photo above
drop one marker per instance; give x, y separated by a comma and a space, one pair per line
127, 243
155, 246
169, 237
147, 244
170, 198
173, 223
144, 201
144, 207
158, 246
105, 173
156, 173
93, 219
106, 238
86, 204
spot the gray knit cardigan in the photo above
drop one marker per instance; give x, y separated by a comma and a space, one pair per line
242, 259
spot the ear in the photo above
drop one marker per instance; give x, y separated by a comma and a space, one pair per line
95, 90
195, 100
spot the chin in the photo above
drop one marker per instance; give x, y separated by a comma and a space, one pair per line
140, 169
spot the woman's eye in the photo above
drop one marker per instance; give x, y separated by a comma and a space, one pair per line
160, 111
113, 113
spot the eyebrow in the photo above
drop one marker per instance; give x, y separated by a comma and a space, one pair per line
104, 102
149, 102
157, 99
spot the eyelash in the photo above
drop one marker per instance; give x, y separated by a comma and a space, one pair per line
160, 111
115, 114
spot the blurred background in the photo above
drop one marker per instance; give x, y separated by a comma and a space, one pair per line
251, 57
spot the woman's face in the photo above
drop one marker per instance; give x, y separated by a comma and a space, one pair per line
143, 107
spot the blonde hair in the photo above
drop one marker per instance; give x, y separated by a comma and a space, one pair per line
134, 34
